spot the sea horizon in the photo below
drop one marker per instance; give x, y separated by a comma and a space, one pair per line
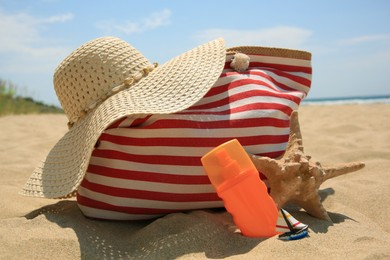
374, 99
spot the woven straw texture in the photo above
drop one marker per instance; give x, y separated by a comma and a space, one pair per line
95, 68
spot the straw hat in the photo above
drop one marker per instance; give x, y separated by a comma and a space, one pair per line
106, 79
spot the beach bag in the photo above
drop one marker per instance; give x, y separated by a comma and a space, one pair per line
144, 166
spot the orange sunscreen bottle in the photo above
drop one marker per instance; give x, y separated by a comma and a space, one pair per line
245, 195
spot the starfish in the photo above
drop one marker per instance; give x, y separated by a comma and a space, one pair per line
296, 178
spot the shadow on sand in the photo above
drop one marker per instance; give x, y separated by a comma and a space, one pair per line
168, 237
165, 238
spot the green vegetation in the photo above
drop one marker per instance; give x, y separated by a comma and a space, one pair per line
12, 103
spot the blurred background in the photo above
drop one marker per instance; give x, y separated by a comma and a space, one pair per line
349, 40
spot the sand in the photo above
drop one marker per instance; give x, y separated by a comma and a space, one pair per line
358, 203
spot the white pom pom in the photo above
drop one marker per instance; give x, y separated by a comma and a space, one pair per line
240, 62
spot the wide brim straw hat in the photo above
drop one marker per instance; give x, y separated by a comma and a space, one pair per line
107, 79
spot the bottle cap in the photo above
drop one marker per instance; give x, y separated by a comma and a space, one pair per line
226, 161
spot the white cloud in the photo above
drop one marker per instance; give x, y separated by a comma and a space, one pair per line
152, 21
365, 38
157, 19
17, 31
23, 43
58, 18
281, 36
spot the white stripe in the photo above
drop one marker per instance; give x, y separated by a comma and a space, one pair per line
249, 114
180, 151
265, 148
149, 185
200, 133
155, 150
148, 204
252, 114
147, 167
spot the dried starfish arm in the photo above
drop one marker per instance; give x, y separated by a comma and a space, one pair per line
296, 178
337, 170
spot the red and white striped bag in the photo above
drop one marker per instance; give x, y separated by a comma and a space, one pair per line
145, 166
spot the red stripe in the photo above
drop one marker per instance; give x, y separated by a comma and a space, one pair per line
294, 225
148, 176
193, 142
149, 195
246, 94
117, 123
232, 123
149, 159
275, 154
135, 122
139, 121
84, 201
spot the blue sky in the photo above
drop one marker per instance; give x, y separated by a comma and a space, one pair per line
349, 40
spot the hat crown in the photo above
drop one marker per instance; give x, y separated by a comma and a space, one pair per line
90, 72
